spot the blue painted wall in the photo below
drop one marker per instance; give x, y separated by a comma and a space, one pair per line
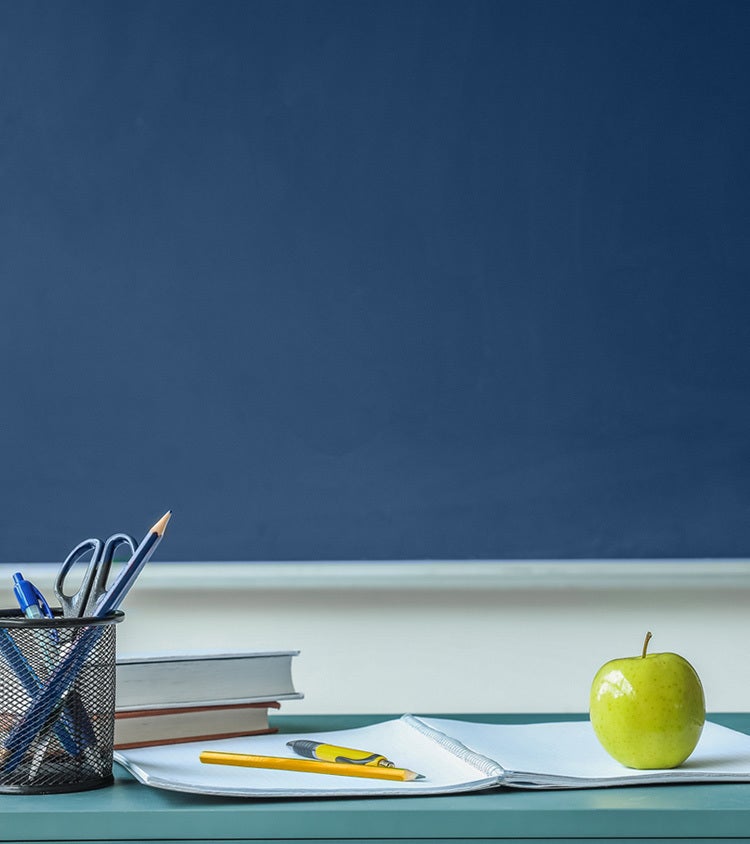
402, 279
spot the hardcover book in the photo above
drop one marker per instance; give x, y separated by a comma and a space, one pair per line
149, 727
183, 680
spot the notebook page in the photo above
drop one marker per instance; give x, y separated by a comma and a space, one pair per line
177, 767
568, 753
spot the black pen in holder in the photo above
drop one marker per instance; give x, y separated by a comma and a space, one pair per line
69, 665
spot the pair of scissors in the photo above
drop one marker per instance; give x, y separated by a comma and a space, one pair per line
94, 584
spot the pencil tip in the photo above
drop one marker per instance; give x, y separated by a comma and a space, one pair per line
161, 525
420, 777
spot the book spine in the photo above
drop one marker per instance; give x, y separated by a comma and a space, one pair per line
131, 745
487, 766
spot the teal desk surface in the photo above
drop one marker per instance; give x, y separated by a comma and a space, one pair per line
128, 811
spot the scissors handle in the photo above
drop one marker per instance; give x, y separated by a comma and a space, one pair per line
98, 586
74, 604
94, 584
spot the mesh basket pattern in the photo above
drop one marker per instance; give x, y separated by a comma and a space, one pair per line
57, 702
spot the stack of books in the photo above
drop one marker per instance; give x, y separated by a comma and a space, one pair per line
197, 697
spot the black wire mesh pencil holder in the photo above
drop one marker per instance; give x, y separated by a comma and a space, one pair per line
57, 702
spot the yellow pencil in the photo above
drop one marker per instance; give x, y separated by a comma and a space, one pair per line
283, 763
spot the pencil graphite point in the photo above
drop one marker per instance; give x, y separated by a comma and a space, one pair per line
161, 525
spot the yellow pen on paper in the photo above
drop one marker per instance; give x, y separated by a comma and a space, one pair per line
311, 766
333, 753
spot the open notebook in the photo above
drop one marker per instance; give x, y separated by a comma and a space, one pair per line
453, 756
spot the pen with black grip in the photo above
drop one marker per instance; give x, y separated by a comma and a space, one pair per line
333, 753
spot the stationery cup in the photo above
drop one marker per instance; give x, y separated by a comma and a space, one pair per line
57, 702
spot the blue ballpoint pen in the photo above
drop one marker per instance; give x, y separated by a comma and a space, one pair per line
34, 605
18, 662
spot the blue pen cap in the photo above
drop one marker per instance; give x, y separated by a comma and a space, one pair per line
28, 595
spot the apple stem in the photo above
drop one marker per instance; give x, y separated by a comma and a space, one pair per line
645, 644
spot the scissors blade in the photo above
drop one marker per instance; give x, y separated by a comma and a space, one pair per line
74, 604
99, 582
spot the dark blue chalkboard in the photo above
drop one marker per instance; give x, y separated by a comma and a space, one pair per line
382, 279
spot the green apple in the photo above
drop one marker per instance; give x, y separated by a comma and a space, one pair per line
648, 711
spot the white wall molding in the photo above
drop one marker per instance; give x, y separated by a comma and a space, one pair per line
448, 575
426, 575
